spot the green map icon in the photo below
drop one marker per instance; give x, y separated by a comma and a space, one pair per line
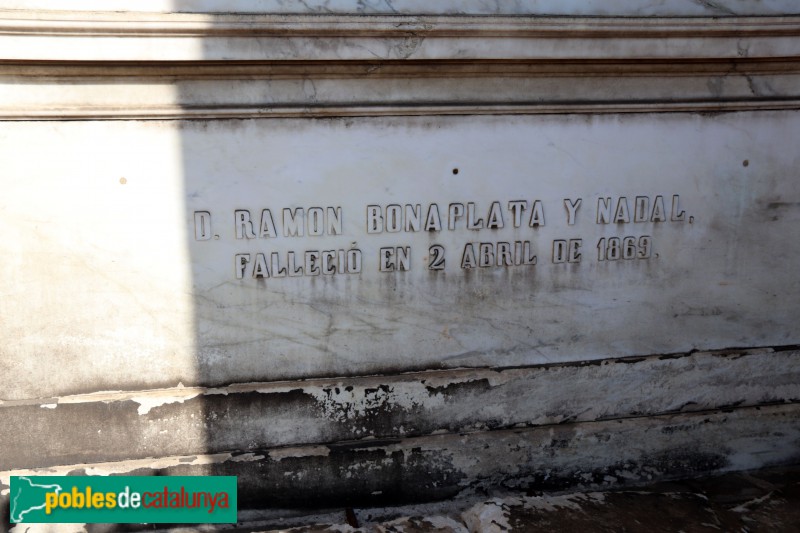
28, 496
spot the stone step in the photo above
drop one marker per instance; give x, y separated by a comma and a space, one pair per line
247, 417
586, 455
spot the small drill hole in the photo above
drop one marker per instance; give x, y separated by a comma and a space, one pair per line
455, 171
745, 163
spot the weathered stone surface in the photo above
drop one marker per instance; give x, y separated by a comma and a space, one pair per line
616, 453
111, 427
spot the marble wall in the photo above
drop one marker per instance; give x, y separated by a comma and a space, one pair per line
487, 244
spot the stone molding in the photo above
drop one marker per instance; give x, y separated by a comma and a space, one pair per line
354, 37
73, 65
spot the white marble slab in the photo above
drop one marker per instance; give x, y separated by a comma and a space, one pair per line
447, 7
126, 37
111, 278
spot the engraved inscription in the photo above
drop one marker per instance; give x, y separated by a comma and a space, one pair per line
312, 263
296, 222
498, 234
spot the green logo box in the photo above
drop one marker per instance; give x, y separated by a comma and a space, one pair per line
123, 499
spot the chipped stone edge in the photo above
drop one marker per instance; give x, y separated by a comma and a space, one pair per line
151, 398
496, 376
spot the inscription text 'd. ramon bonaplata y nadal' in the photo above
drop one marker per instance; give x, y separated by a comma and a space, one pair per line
454, 217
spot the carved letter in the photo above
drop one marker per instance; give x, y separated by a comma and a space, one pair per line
316, 221
575, 250
402, 257
334, 221
374, 219
537, 215
678, 215
202, 225
622, 213
278, 270
604, 210
244, 226
468, 259
293, 223
433, 222
260, 270
413, 217
394, 218
559, 251
641, 209
486, 254
495, 220
241, 260
312, 263
353, 261
659, 213
471, 222
293, 269
528, 257
504, 254
328, 262
517, 207
572, 209
455, 211
267, 225
386, 263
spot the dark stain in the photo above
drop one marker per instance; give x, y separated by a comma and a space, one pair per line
453, 391
685, 405
786, 348
679, 428
362, 445
365, 478
673, 356
729, 407
686, 463
560, 443
780, 205
674, 464
630, 360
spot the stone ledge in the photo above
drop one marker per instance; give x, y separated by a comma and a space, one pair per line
622, 8
33, 35
176, 90
249, 417
591, 455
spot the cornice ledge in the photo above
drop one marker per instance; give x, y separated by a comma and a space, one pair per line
40, 23
104, 36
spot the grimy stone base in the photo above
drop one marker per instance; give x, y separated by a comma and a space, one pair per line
118, 426
622, 452
433, 435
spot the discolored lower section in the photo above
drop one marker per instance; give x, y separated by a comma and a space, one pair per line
251, 417
603, 454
